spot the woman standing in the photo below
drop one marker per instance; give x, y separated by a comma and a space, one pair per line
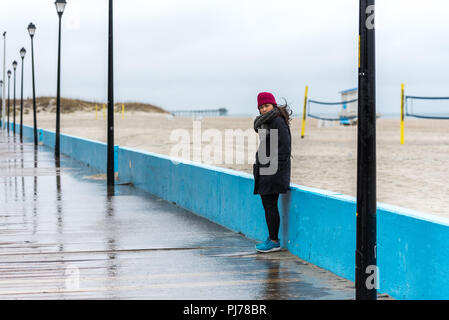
272, 171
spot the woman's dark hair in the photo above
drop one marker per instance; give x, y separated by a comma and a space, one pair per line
286, 112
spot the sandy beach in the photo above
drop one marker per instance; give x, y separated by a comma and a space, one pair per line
414, 175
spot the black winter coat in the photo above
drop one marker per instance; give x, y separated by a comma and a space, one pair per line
278, 182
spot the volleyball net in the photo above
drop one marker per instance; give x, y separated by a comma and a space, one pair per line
421, 107
330, 111
427, 107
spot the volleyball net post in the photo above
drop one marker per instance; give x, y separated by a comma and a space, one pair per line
402, 112
304, 114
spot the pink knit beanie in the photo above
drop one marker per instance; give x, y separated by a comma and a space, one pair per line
265, 98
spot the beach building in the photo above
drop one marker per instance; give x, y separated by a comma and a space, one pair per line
348, 113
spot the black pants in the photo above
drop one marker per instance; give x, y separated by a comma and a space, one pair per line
270, 204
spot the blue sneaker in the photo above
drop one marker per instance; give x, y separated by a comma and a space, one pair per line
268, 246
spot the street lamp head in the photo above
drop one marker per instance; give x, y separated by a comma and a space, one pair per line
14, 64
23, 52
60, 6
31, 29
9, 73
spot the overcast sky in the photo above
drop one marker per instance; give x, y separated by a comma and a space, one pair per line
181, 54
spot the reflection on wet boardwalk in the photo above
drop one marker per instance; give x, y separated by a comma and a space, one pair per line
64, 236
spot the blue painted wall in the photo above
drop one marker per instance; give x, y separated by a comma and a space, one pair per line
413, 253
90, 152
316, 225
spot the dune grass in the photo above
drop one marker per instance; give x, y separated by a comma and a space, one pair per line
48, 104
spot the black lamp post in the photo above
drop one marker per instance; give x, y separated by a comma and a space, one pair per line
366, 241
22, 55
4, 81
14, 65
9, 93
60, 6
32, 31
110, 157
